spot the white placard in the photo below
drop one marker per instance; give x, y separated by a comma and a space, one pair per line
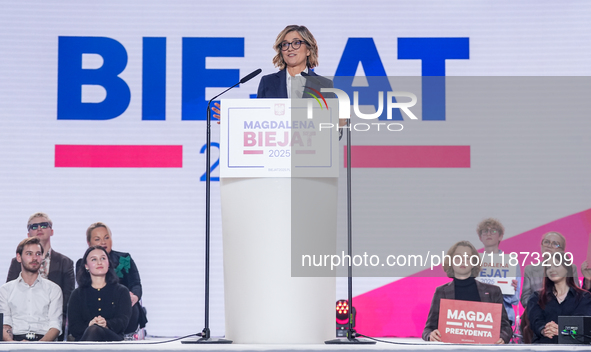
278, 138
497, 271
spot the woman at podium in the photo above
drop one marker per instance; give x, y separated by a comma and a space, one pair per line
297, 55
464, 287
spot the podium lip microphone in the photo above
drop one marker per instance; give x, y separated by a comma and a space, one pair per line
250, 76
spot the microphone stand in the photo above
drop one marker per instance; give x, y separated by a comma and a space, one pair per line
351, 333
205, 333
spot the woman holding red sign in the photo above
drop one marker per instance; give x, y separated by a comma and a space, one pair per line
560, 296
464, 287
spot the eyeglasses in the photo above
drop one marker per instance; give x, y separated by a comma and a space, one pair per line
489, 231
296, 44
42, 225
550, 244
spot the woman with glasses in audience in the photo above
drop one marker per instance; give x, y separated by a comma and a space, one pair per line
99, 234
100, 308
533, 275
559, 296
464, 287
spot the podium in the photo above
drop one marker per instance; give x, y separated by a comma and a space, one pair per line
278, 185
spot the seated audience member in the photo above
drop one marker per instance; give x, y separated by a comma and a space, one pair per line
32, 305
55, 266
99, 234
100, 307
490, 232
559, 296
533, 275
464, 287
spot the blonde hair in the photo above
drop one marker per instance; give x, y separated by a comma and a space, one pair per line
562, 239
310, 42
448, 260
40, 215
94, 226
490, 223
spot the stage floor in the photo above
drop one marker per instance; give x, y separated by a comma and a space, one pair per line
161, 344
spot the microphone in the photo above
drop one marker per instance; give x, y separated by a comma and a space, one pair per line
250, 76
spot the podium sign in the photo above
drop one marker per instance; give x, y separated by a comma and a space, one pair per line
497, 271
278, 138
469, 322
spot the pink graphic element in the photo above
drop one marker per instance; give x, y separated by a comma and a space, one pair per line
305, 152
409, 156
252, 152
400, 309
133, 156
250, 139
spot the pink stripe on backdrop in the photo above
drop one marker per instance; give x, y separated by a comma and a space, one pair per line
132, 156
409, 156
252, 152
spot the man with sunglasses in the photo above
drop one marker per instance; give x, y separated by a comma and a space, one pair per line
55, 266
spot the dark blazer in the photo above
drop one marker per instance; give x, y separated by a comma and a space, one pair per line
61, 272
576, 303
488, 293
275, 85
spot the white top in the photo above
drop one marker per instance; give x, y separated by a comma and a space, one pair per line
299, 84
35, 308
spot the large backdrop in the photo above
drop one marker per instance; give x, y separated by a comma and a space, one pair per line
76, 76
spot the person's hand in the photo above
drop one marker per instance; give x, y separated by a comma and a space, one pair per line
550, 330
435, 335
216, 109
586, 270
100, 321
500, 342
514, 284
342, 122
134, 299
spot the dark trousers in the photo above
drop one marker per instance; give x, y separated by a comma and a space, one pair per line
98, 333
133, 320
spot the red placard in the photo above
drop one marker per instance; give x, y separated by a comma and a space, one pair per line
469, 322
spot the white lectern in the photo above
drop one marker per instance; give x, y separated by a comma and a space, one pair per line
278, 184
